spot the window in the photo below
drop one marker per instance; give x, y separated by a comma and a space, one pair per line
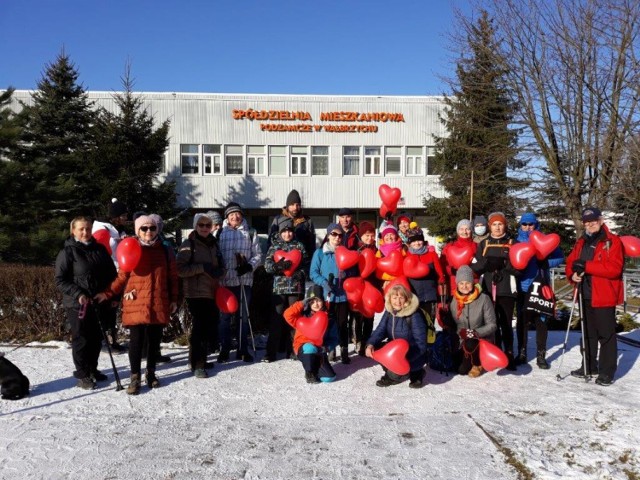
351, 160
393, 161
299, 159
211, 159
165, 162
415, 161
233, 160
256, 160
319, 160
372, 161
189, 159
431, 165
277, 160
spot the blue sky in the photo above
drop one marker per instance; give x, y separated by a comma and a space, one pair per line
360, 47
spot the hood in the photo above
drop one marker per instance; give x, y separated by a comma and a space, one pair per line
408, 310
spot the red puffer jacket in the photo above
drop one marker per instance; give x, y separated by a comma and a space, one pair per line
605, 269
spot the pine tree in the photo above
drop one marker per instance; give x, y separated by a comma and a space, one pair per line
479, 140
9, 132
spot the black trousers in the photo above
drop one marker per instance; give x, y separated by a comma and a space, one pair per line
600, 328
86, 340
138, 334
525, 318
280, 332
363, 326
504, 319
471, 355
204, 320
340, 311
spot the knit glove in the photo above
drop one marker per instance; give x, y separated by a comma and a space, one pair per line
578, 267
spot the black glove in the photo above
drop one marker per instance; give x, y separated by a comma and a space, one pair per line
281, 265
578, 267
244, 268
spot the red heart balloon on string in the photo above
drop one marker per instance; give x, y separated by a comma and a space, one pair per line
314, 327
545, 244
294, 256
346, 258
103, 237
354, 288
393, 356
491, 357
226, 300
401, 280
459, 255
631, 245
413, 267
372, 299
390, 197
520, 254
384, 211
128, 254
391, 264
367, 262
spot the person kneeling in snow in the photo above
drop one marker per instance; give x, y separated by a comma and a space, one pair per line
314, 359
402, 319
474, 317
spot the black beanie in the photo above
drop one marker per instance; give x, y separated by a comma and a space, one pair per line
116, 208
293, 197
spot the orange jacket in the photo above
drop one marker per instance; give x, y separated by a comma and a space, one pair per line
291, 316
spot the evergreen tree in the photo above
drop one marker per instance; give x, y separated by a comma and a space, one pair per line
9, 132
479, 140
130, 157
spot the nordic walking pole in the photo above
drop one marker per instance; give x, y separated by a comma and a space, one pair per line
106, 340
584, 349
246, 304
566, 337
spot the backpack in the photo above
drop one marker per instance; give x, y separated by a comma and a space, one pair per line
431, 329
445, 352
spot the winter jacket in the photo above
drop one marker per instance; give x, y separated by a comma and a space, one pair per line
297, 311
351, 240
304, 232
604, 269
283, 285
409, 324
426, 288
323, 265
155, 281
243, 241
478, 315
82, 270
450, 272
492, 262
194, 255
530, 272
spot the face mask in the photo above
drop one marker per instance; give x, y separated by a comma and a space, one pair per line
481, 230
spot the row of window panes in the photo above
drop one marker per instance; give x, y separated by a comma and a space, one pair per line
301, 160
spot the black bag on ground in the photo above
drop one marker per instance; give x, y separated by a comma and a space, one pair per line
445, 354
14, 384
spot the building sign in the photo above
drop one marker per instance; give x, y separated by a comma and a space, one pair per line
356, 122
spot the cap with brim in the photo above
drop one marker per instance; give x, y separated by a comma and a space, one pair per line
591, 214
345, 211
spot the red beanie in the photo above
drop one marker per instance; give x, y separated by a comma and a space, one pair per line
366, 227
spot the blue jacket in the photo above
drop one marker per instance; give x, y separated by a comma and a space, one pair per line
531, 271
408, 323
323, 265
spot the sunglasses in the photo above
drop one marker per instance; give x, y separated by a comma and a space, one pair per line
527, 224
205, 225
152, 228
335, 234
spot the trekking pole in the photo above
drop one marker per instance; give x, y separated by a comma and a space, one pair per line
584, 350
106, 340
566, 337
246, 304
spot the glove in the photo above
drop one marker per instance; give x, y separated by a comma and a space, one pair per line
578, 267
471, 334
497, 276
244, 268
281, 265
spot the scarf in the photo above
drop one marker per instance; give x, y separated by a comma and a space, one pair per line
463, 300
387, 248
149, 244
418, 251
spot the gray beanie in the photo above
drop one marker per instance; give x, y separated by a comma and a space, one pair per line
480, 220
231, 208
464, 274
464, 223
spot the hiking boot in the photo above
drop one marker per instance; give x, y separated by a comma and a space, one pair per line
511, 366
223, 356
386, 381
475, 371
579, 373
134, 384
311, 377
541, 361
86, 383
151, 379
245, 357
345, 357
604, 380
98, 376
521, 359
201, 373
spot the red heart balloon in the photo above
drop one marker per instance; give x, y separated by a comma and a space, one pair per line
314, 327
520, 254
393, 356
346, 258
384, 210
354, 288
128, 254
390, 197
226, 300
413, 267
545, 244
372, 299
459, 255
391, 264
294, 256
401, 280
367, 262
491, 357
547, 292
103, 237
631, 245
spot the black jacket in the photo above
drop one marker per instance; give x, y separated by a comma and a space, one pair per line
492, 262
83, 270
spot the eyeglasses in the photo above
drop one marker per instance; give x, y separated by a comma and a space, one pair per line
336, 234
152, 228
527, 224
205, 225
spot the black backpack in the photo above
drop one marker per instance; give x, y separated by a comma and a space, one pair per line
444, 355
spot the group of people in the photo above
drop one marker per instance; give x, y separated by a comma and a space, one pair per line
480, 297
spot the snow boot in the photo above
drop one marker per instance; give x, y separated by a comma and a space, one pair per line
200, 373
134, 384
521, 359
311, 377
475, 371
98, 376
86, 383
541, 361
511, 366
151, 379
223, 356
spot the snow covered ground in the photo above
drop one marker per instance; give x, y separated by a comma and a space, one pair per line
262, 421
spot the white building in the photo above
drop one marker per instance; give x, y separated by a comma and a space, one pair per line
335, 150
